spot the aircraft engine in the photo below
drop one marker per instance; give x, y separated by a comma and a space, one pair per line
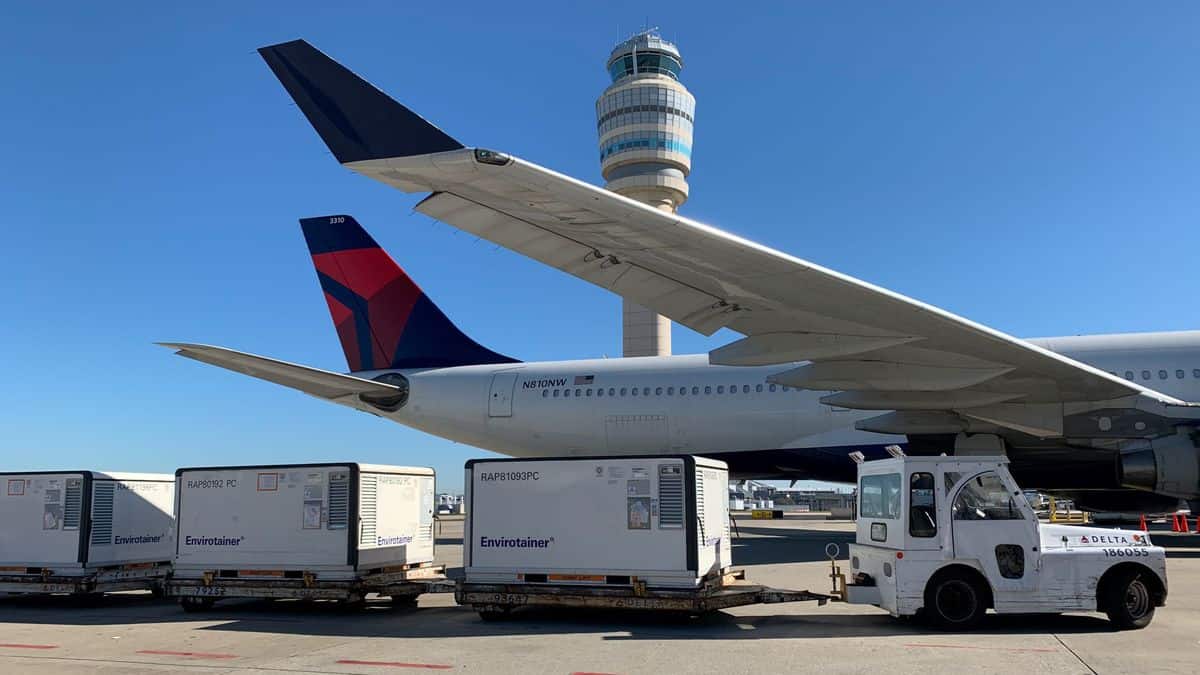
389, 403
1168, 465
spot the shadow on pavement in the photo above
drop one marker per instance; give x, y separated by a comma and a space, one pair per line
774, 545
452, 622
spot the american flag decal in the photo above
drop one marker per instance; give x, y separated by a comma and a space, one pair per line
584, 379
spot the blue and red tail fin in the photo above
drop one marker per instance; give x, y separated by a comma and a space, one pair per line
383, 319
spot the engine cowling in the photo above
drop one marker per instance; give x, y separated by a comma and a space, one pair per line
1168, 465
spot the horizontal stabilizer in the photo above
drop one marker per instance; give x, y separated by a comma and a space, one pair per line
313, 381
356, 120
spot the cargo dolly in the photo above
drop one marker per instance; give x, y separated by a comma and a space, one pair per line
402, 584
496, 601
128, 577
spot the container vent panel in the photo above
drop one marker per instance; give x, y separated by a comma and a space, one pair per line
368, 508
700, 513
339, 500
102, 513
73, 504
670, 495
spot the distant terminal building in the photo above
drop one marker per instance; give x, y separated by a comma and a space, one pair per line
644, 119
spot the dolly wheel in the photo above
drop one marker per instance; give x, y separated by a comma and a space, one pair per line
191, 604
1128, 601
404, 601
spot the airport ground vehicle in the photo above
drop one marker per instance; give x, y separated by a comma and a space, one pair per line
647, 533
951, 537
313, 531
85, 531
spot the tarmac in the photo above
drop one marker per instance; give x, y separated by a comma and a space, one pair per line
134, 633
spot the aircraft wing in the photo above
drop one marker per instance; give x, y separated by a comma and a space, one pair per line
871, 348
313, 381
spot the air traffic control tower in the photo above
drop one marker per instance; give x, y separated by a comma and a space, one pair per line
644, 119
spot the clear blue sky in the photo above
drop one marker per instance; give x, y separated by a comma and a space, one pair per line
1032, 167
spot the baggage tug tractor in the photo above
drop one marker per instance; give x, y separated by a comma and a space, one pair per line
949, 537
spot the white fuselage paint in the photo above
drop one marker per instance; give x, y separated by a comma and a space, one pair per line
553, 409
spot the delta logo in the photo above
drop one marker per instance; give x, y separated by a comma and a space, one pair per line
1107, 539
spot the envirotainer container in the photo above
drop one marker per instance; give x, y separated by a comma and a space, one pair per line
662, 521
79, 531
321, 522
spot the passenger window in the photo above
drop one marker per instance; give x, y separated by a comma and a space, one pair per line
732, 389
645, 391
588, 392
1196, 372
634, 391
670, 391
984, 497
1145, 374
600, 392
922, 516
613, 392
720, 389
555, 393
758, 388
1179, 374
745, 389
683, 391
1162, 374
623, 391
577, 393
1129, 374
658, 391
545, 393
695, 391
707, 390
771, 388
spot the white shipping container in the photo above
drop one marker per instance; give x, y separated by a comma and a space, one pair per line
336, 521
660, 520
76, 522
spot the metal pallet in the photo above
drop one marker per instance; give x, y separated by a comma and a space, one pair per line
494, 601
401, 585
133, 577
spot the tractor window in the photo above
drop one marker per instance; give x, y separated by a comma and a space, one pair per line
879, 496
922, 517
984, 497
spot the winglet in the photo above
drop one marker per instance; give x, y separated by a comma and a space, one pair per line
356, 120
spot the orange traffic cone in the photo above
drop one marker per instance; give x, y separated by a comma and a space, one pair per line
1143, 527
1175, 524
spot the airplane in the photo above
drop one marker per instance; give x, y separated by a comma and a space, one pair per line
829, 364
